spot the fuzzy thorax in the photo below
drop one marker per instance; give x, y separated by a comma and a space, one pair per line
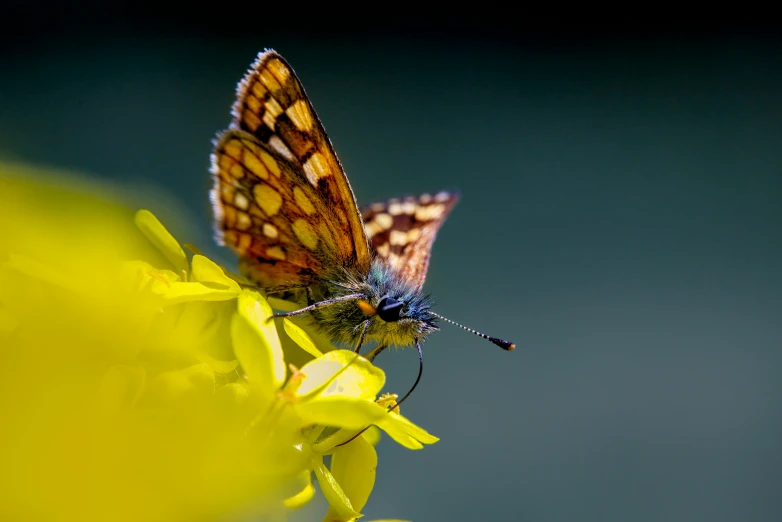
344, 321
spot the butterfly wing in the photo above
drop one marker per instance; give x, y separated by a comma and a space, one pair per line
272, 106
401, 231
279, 224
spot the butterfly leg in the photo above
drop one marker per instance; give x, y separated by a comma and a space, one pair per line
321, 304
371, 355
364, 327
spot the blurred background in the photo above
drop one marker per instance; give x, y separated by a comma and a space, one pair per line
620, 221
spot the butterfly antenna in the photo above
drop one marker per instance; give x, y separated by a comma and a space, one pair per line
505, 345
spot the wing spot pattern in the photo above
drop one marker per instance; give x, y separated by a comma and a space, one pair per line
250, 120
281, 148
269, 120
254, 164
258, 90
305, 234
233, 149
253, 103
316, 168
270, 163
279, 71
378, 224
383, 249
237, 171
275, 252
302, 201
397, 208
429, 212
267, 198
240, 201
269, 81
299, 114
243, 221
400, 238
270, 230
384, 221
240, 239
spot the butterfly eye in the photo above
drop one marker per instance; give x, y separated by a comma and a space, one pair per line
389, 309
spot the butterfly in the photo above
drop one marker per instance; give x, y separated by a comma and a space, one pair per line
283, 203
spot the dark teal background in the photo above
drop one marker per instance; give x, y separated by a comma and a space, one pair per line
620, 221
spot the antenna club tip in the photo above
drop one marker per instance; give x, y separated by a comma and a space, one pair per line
505, 345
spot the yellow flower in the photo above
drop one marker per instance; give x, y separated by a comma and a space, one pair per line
143, 383
334, 394
112, 408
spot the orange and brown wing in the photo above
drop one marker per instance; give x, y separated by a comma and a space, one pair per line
401, 231
279, 225
272, 106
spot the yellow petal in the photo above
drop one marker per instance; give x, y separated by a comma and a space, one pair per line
207, 271
256, 343
143, 276
333, 492
196, 382
344, 373
404, 439
301, 338
282, 304
326, 445
183, 292
230, 398
372, 435
405, 432
354, 466
38, 270
217, 365
341, 411
304, 496
120, 388
162, 239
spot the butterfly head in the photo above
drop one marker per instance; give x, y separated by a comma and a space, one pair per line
399, 310
409, 319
